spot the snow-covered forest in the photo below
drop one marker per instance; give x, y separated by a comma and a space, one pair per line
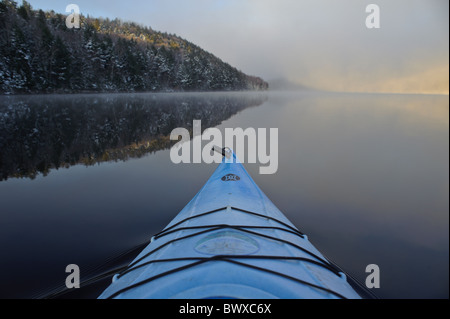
39, 54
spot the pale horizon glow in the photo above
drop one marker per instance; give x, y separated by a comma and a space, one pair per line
318, 44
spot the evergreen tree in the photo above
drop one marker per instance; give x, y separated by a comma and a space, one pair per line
38, 53
61, 65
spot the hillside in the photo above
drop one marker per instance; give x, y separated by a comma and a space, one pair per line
39, 54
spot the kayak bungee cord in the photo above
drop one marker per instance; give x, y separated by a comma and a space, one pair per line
225, 226
235, 208
218, 227
226, 259
230, 256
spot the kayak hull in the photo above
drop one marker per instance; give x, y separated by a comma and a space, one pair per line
230, 241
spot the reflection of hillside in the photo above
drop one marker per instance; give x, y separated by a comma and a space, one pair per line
38, 134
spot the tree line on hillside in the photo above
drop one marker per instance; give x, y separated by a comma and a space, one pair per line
39, 54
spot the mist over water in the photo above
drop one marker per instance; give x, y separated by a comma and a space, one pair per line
364, 175
41, 133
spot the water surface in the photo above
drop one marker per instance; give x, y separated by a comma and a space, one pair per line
85, 177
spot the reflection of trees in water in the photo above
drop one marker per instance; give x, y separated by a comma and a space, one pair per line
41, 133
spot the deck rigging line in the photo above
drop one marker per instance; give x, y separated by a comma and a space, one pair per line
318, 261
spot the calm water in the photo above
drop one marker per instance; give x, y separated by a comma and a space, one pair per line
84, 178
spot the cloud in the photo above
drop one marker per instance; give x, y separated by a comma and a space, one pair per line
323, 44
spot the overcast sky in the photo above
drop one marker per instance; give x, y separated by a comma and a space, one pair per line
323, 44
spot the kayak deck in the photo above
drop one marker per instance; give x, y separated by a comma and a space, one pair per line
230, 241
